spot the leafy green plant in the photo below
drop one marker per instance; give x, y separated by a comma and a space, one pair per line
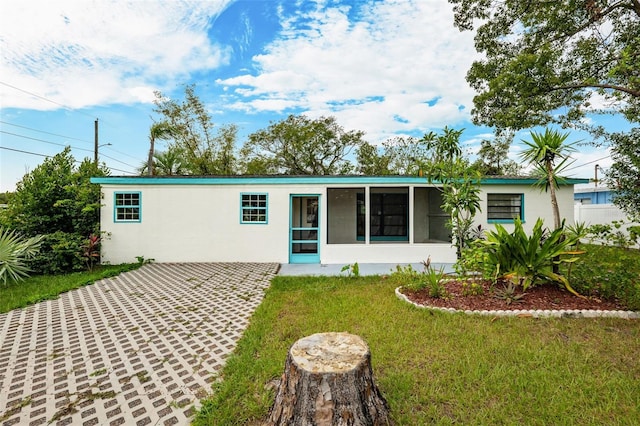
614, 234
509, 293
15, 251
474, 260
60, 253
91, 251
472, 288
352, 270
526, 259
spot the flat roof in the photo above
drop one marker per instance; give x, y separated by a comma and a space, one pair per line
318, 180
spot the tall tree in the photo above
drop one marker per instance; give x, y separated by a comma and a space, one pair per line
493, 156
624, 175
549, 153
160, 130
208, 149
553, 62
299, 145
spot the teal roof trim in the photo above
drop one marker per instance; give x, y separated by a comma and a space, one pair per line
301, 180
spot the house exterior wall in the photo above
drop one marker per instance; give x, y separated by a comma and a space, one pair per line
191, 220
537, 204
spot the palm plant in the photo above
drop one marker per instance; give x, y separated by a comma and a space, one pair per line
161, 130
14, 252
544, 151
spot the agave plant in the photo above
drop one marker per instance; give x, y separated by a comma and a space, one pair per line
525, 259
14, 252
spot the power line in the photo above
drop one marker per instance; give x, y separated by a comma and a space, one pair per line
45, 99
588, 162
47, 133
24, 152
63, 145
49, 156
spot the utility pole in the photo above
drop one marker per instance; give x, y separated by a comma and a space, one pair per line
95, 149
596, 175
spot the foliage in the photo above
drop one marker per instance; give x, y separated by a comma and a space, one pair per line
207, 149
60, 253
44, 287
544, 152
475, 259
4, 197
15, 251
617, 233
460, 183
58, 201
545, 62
509, 293
160, 130
372, 162
558, 62
624, 175
472, 288
91, 251
525, 259
493, 157
438, 368
299, 145
351, 270
170, 162
609, 273
56, 196
430, 278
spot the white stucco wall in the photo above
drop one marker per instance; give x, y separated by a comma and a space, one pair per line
201, 223
536, 204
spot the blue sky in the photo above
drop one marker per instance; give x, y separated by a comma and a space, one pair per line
388, 68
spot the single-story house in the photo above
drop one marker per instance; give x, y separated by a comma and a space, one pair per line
301, 219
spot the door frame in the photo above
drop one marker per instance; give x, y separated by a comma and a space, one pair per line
304, 257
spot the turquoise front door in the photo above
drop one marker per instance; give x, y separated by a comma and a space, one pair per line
304, 229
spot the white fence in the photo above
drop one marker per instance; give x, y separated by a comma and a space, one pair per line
600, 214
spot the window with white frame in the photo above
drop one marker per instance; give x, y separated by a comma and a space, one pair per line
127, 207
253, 208
505, 207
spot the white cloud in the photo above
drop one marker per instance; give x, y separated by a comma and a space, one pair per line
374, 67
81, 53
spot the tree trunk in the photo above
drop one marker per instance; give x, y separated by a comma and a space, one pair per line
328, 380
152, 141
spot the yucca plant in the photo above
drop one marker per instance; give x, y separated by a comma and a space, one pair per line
525, 259
14, 252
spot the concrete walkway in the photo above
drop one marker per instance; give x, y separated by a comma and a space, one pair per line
138, 349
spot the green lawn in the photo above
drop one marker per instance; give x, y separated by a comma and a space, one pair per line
438, 368
42, 287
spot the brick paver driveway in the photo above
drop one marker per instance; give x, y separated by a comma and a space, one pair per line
140, 348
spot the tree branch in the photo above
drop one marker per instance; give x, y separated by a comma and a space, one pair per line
634, 93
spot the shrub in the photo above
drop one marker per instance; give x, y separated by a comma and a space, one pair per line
609, 273
60, 253
526, 259
15, 251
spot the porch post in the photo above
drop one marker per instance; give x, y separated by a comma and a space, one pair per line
367, 213
411, 202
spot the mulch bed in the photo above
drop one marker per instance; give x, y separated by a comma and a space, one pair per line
543, 297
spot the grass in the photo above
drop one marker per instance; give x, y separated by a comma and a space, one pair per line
43, 287
439, 368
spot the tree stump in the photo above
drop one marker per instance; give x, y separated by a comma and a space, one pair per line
328, 380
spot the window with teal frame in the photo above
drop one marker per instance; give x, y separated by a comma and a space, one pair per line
127, 207
505, 207
253, 208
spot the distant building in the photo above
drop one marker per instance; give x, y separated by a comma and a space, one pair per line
593, 196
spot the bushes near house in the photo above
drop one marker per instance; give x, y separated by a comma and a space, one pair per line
58, 201
607, 272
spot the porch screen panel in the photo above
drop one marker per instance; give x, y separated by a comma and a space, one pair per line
389, 210
345, 215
